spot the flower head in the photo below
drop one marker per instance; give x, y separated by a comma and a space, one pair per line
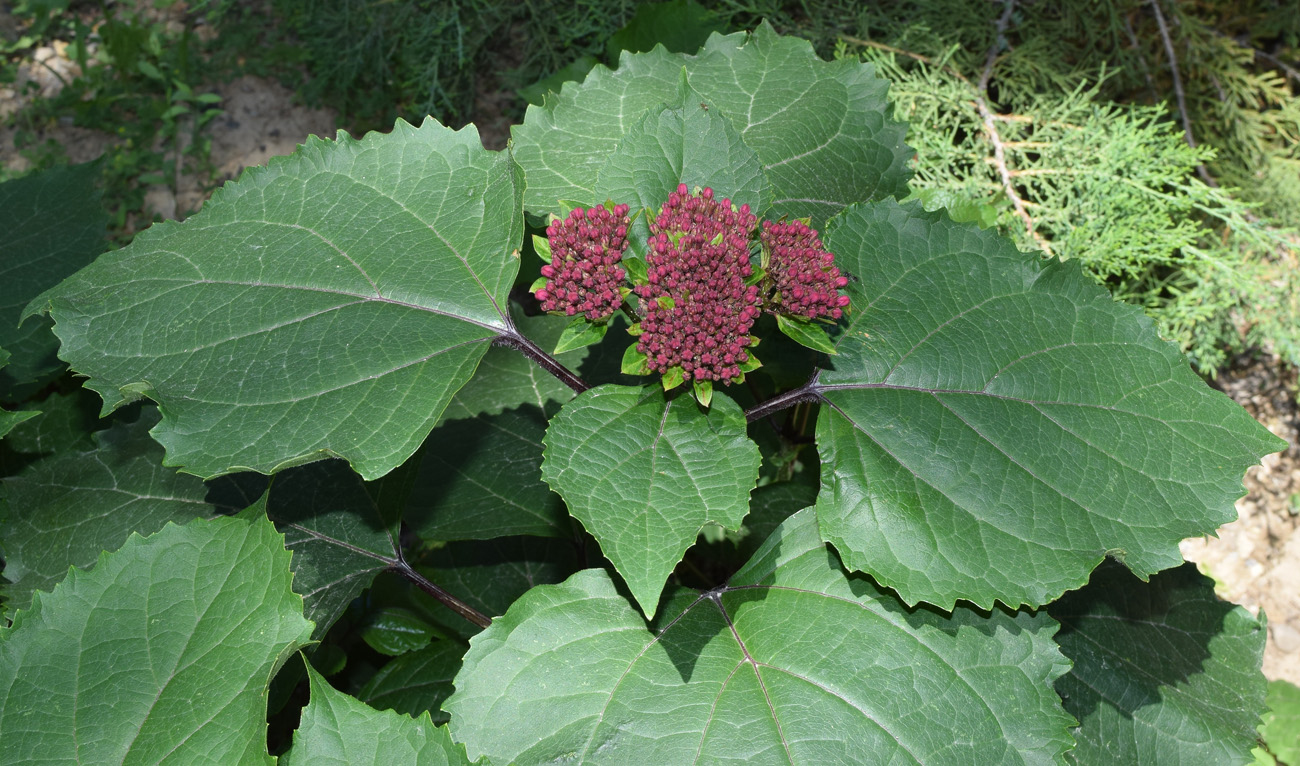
584, 275
800, 272
698, 309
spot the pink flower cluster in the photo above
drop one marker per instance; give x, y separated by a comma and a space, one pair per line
584, 275
801, 273
698, 310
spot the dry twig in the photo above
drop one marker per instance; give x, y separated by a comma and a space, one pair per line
1178, 91
980, 93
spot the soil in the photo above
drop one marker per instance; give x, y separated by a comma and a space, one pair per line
1255, 560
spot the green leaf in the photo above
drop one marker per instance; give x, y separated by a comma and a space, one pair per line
490, 574
703, 391
482, 478
806, 333
416, 682
337, 535
678, 25
8, 420
996, 424
822, 130
162, 653
793, 662
349, 290
60, 423
1281, 726
575, 70
495, 489
506, 378
643, 473
1163, 671
634, 362
51, 224
686, 142
339, 729
580, 333
395, 631
64, 510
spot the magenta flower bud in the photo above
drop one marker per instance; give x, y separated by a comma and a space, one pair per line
802, 279
583, 275
709, 310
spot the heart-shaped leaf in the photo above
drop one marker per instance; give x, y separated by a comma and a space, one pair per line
339, 729
51, 224
685, 143
162, 653
416, 682
337, 535
64, 510
823, 131
995, 424
348, 290
643, 473
793, 662
1162, 667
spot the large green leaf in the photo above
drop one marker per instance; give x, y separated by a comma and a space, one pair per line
59, 422
1164, 672
822, 130
793, 662
994, 424
490, 574
685, 143
506, 379
416, 682
51, 224
482, 478
338, 729
337, 535
643, 473
162, 653
64, 510
329, 304
10, 419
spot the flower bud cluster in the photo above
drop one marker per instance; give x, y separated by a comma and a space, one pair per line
584, 275
698, 309
801, 274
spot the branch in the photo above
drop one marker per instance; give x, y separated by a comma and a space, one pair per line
512, 338
808, 392
1289, 71
1178, 91
986, 114
443, 597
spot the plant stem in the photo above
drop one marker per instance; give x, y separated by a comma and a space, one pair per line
445, 598
808, 392
516, 340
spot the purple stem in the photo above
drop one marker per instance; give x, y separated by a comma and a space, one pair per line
516, 340
445, 598
808, 392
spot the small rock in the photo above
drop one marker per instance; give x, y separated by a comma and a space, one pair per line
160, 201
1285, 637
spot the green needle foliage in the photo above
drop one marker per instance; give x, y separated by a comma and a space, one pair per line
975, 465
1071, 137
